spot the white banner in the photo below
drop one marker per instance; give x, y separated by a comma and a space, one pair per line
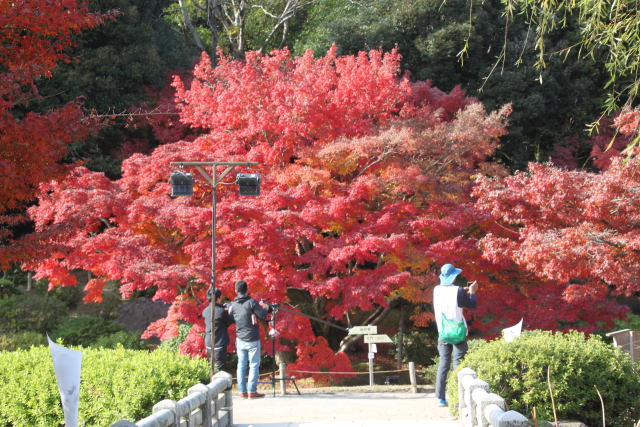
512, 332
67, 365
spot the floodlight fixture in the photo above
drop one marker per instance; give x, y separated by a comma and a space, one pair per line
248, 183
181, 184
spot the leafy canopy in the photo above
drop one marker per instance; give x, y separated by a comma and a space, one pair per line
366, 181
35, 35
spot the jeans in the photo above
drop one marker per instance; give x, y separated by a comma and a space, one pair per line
248, 357
444, 349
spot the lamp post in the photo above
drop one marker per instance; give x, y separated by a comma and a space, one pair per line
182, 185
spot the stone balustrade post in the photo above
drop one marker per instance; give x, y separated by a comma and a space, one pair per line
207, 410
482, 400
471, 384
464, 372
169, 405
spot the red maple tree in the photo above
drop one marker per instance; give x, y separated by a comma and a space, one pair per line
576, 231
366, 190
34, 35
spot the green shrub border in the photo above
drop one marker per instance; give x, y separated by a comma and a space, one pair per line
517, 371
115, 384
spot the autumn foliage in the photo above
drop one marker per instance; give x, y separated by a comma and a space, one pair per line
366, 181
34, 36
576, 230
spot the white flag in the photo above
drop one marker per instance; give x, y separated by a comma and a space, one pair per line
512, 332
67, 365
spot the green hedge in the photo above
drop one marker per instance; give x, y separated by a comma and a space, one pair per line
115, 384
31, 312
517, 371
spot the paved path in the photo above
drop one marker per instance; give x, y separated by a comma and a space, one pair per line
342, 409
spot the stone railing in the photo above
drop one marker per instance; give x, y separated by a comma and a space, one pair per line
205, 406
478, 407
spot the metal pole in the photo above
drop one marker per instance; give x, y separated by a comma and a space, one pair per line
214, 184
212, 289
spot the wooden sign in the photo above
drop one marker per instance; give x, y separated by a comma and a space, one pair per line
382, 338
363, 330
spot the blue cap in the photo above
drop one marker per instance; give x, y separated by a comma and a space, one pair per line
448, 274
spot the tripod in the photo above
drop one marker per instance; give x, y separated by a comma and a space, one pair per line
273, 333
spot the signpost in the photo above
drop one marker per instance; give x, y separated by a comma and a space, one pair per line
371, 337
363, 330
379, 339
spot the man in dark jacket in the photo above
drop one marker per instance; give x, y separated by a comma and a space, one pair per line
222, 321
246, 311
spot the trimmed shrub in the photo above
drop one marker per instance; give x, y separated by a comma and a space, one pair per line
115, 384
125, 339
517, 371
21, 340
32, 312
173, 344
84, 330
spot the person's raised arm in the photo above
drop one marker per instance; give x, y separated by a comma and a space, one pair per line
467, 296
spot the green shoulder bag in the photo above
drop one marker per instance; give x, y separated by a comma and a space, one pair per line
452, 332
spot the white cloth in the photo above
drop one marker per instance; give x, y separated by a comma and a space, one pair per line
512, 332
67, 365
445, 301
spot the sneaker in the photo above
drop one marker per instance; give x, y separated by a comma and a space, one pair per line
244, 395
255, 395
442, 402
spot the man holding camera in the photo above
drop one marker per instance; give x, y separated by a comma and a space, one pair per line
246, 311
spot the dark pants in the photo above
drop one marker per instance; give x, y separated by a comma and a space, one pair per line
221, 357
445, 350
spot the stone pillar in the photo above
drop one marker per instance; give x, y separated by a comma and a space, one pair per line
169, 405
207, 409
470, 384
483, 400
462, 408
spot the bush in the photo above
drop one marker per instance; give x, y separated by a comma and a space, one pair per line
70, 295
32, 312
517, 371
107, 309
21, 340
173, 344
8, 288
419, 346
115, 384
125, 339
84, 330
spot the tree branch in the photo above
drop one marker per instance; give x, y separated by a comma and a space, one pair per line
189, 25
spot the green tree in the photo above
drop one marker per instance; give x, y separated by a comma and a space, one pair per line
118, 63
237, 27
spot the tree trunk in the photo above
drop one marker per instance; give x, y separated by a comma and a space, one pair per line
212, 22
378, 315
400, 336
190, 27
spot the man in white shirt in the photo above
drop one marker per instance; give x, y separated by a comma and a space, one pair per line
448, 302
